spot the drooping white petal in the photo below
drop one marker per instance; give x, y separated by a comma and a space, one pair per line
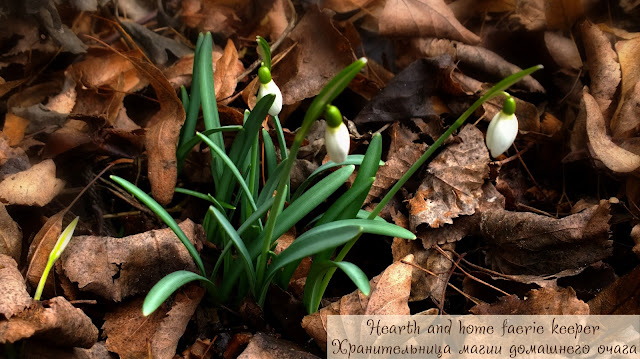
268, 89
336, 140
501, 133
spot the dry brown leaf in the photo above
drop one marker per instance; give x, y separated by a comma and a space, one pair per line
635, 235
620, 298
55, 321
227, 70
626, 120
320, 53
116, 268
466, 9
14, 298
36, 186
12, 160
563, 50
14, 128
544, 301
389, 296
10, 235
39, 250
39, 350
263, 346
344, 6
562, 14
604, 69
529, 14
114, 69
614, 157
453, 185
218, 16
423, 18
528, 243
132, 335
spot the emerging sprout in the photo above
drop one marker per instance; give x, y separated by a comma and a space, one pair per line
503, 128
268, 87
336, 135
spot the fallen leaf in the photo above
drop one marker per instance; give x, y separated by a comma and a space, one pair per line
626, 120
604, 69
116, 268
408, 94
39, 250
132, 335
10, 235
614, 157
453, 185
263, 346
620, 298
563, 50
155, 45
14, 128
117, 72
528, 14
423, 18
344, 6
36, 186
38, 349
544, 301
528, 243
635, 234
201, 349
14, 298
389, 296
562, 14
321, 52
55, 320
225, 76
12, 160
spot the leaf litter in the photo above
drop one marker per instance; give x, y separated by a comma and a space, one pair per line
546, 228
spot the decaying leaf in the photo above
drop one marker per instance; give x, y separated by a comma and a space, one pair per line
614, 157
620, 298
39, 349
423, 18
604, 69
562, 14
563, 50
267, 347
453, 185
10, 235
55, 321
626, 120
14, 298
544, 301
389, 295
36, 186
528, 14
39, 250
635, 235
155, 45
116, 268
132, 335
227, 70
116, 71
527, 243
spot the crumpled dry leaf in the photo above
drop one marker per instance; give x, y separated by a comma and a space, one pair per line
39, 250
55, 320
528, 243
389, 296
12, 160
626, 120
620, 298
116, 71
225, 76
544, 301
614, 157
563, 50
36, 186
39, 350
423, 18
604, 69
635, 235
14, 298
155, 45
321, 52
344, 6
116, 268
132, 335
10, 235
562, 14
528, 14
475, 58
263, 346
453, 185
408, 94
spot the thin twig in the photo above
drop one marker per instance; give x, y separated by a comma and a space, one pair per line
476, 301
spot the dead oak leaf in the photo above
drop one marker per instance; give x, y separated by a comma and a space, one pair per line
10, 235
227, 70
453, 185
132, 335
424, 18
389, 296
54, 320
263, 346
14, 298
604, 69
528, 243
116, 268
36, 186
543, 301
614, 157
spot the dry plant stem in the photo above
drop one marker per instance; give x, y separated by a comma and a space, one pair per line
455, 263
476, 301
449, 274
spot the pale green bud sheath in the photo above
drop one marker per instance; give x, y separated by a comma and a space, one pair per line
336, 135
503, 128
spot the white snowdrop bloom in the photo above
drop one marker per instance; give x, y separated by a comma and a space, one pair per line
503, 129
268, 89
337, 141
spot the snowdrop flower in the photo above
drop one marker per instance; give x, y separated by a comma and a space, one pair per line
336, 135
503, 128
268, 87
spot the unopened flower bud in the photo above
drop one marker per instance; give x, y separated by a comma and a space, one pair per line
336, 135
503, 129
268, 87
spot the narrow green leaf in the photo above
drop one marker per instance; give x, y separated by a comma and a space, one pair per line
183, 149
185, 98
206, 197
259, 213
227, 161
189, 127
357, 276
164, 216
167, 286
209, 104
265, 51
269, 154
